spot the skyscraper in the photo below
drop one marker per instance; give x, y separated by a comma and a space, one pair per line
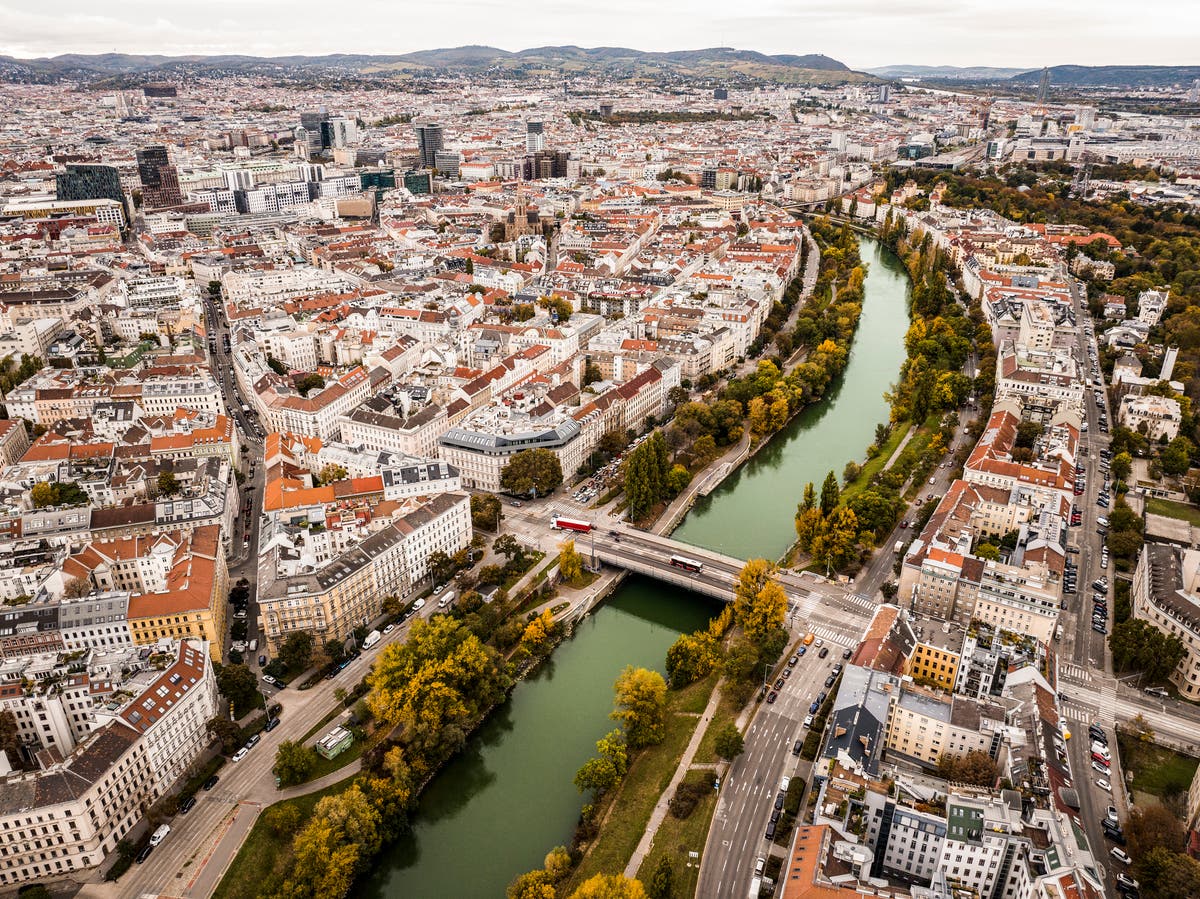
430, 139
84, 181
535, 139
160, 181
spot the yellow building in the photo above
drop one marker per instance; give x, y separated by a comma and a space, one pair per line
933, 664
178, 583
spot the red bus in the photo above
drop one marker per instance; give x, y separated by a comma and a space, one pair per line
687, 564
570, 524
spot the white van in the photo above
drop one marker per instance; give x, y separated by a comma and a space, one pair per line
418, 605
159, 835
254, 645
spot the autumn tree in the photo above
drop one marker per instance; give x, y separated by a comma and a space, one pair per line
1168, 875
530, 472
43, 494
570, 563
433, 687
77, 587
294, 763
610, 886
1150, 827
976, 767
225, 732
641, 697
691, 657
538, 635
759, 605
331, 473
1122, 465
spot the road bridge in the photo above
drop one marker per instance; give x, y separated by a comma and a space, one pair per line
810, 597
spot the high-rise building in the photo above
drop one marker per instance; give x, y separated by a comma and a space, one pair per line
720, 93
535, 138
160, 181
430, 139
885, 93
85, 181
448, 163
418, 182
342, 132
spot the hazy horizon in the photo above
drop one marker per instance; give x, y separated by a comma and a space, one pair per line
860, 33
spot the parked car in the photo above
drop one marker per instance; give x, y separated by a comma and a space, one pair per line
772, 696
1112, 815
186, 805
1104, 784
211, 782
145, 853
1120, 855
240, 754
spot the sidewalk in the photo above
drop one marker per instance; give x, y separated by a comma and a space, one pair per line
661, 808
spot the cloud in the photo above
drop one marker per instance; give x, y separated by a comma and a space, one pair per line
861, 33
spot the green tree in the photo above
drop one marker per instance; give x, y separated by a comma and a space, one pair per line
331, 473
1168, 875
168, 484
296, 651
238, 684
830, 493
485, 511
677, 480
282, 819
309, 383
1139, 646
597, 776
1177, 457
276, 366
989, 551
533, 471
729, 743
662, 880
225, 732
641, 696
570, 563
1122, 465
647, 470
10, 738
294, 763
440, 566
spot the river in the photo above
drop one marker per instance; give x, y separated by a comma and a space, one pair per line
507, 799
752, 513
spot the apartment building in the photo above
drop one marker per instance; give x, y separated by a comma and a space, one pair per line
1152, 415
332, 599
69, 815
1166, 593
387, 424
178, 582
923, 726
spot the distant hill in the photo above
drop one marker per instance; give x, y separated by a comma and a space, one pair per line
967, 73
1113, 76
1063, 76
713, 62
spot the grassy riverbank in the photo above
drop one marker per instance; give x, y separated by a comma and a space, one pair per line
627, 812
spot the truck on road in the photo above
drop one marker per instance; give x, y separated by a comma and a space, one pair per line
560, 523
372, 638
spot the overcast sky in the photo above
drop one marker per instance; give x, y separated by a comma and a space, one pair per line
860, 33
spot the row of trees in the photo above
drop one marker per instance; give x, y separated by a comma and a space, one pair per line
650, 478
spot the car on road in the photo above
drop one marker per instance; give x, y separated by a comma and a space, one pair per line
241, 754
262, 660
1125, 880
784, 784
270, 680
1112, 815
770, 835
771, 697
389, 628
186, 805
829, 680
779, 684
793, 660
1157, 691
797, 746
823, 653
779, 797
211, 782
847, 652
1104, 784
1103, 769
145, 853
812, 709
1120, 855
240, 614
808, 720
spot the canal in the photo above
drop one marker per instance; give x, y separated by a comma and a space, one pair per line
507, 799
751, 514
